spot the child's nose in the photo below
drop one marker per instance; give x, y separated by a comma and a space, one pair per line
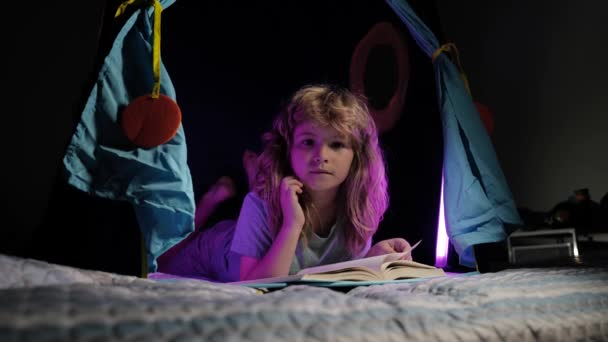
319, 160
321, 154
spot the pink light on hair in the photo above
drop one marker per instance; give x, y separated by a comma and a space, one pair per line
441, 250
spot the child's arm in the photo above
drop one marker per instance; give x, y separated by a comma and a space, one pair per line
277, 260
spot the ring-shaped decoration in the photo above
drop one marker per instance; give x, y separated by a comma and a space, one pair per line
382, 34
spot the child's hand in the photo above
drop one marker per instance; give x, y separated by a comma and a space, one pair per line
395, 245
293, 215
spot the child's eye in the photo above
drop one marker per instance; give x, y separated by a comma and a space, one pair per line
337, 144
307, 142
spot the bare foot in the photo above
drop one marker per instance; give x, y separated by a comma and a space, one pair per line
221, 190
250, 163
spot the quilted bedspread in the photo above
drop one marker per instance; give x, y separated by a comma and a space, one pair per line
47, 302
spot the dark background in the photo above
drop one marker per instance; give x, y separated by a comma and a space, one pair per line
541, 69
233, 64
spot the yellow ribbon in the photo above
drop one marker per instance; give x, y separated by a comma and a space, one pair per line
451, 47
155, 37
123, 7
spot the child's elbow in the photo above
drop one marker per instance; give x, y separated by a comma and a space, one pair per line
247, 265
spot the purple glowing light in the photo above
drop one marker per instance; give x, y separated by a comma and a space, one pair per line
441, 250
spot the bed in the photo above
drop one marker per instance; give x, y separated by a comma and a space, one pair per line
40, 301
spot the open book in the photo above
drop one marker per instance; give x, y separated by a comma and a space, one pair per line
377, 268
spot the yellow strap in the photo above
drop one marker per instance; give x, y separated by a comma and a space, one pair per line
156, 49
451, 47
123, 7
156, 40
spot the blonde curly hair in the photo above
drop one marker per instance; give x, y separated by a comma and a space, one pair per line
363, 197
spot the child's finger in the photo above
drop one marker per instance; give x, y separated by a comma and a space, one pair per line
286, 183
292, 184
401, 245
296, 188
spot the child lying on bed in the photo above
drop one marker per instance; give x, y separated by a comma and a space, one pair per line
317, 197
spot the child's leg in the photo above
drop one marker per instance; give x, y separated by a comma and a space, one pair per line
220, 191
206, 256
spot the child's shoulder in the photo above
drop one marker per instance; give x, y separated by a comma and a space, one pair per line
254, 205
253, 198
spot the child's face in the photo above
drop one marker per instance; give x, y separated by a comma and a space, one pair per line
320, 157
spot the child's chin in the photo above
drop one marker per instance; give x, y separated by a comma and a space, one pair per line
321, 187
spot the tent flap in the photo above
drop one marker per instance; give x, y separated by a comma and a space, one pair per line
477, 199
101, 161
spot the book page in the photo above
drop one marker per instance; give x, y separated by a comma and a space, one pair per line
349, 274
283, 279
400, 269
404, 263
374, 263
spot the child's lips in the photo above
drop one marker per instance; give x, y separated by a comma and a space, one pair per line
320, 172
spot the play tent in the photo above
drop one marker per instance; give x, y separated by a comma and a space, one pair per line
100, 159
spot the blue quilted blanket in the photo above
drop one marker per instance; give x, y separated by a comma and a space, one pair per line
41, 301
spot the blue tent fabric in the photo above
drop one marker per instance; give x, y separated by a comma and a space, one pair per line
101, 161
477, 199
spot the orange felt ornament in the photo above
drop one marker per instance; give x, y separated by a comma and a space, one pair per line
153, 119
486, 117
149, 122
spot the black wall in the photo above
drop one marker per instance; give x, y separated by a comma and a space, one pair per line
234, 65
541, 68
49, 56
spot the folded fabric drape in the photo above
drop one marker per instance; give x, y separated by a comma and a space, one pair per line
101, 160
477, 199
